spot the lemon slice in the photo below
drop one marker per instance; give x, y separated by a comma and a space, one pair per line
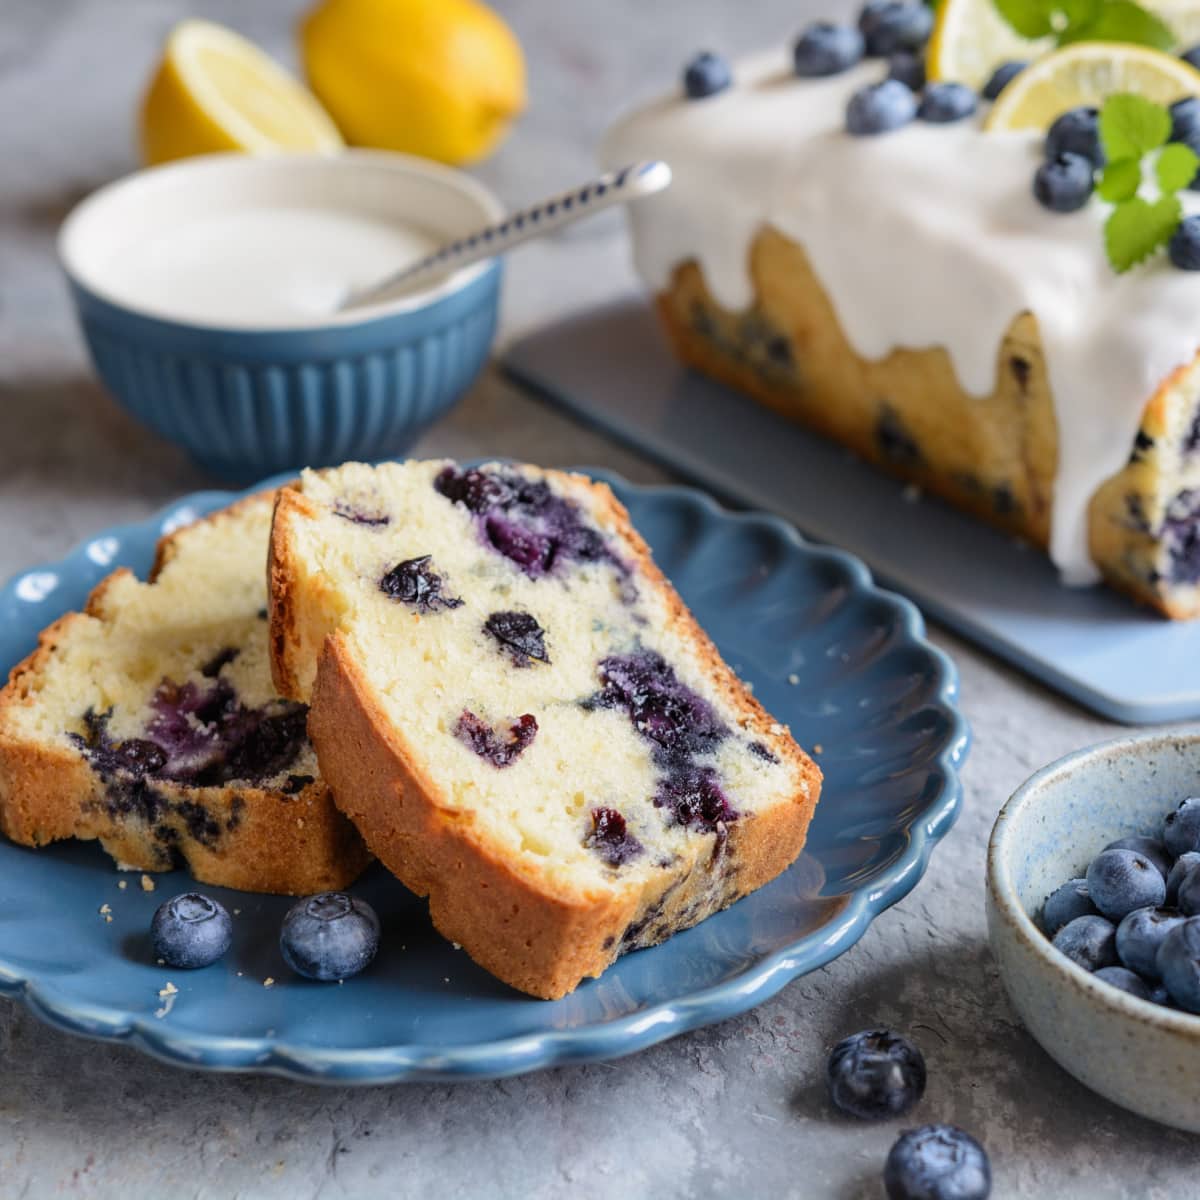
971, 39
215, 91
1085, 73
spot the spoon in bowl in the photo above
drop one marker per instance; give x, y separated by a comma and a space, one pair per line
615, 187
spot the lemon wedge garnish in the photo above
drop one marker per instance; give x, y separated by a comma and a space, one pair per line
1086, 73
971, 39
216, 91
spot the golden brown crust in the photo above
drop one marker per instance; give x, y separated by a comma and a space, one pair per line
995, 456
540, 937
252, 839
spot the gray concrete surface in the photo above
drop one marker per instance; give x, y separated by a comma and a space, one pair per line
736, 1110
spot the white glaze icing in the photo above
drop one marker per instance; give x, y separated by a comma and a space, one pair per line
927, 236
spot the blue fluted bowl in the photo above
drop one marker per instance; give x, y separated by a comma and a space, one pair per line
246, 397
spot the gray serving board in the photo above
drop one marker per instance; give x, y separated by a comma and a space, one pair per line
611, 368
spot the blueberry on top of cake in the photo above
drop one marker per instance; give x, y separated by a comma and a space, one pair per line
564, 730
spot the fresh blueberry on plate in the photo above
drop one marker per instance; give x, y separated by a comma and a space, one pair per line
329, 936
1090, 942
1179, 964
946, 102
1001, 77
706, 75
1151, 848
1125, 979
937, 1162
875, 1074
908, 68
190, 931
1183, 864
1184, 247
1077, 131
879, 108
1181, 828
891, 25
1064, 184
1121, 880
1139, 936
1064, 904
826, 49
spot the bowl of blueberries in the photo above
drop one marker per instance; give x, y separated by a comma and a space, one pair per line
1093, 909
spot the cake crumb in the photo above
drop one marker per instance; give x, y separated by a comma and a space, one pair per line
148, 884
911, 493
237, 912
167, 995
445, 978
818, 748
456, 945
239, 974
106, 913
794, 679
122, 884
269, 981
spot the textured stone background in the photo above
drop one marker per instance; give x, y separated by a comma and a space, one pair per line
737, 1110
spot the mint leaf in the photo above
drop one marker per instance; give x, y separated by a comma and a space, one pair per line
1030, 18
1176, 167
1137, 227
1120, 21
1120, 180
1131, 126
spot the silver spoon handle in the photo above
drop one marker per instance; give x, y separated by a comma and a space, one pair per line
615, 187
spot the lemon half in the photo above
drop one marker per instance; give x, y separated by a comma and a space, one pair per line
971, 39
1085, 74
216, 91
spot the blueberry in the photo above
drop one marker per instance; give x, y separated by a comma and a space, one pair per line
520, 635
946, 102
1185, 121
706, 75
1183, 864
1064, 904
1121, 880
1126, 980
1187, 897
875, 1074
891, 25
329, 936
1001, 77
1181, 829
1090, 942
880, 107
908, 68
1179, 964
1192, 57
937, 1162
1149, 847
476, 734
826, 49
415, 583
610, 837
1184, 247
1139, 936
190, 931
1064, 184
1077, 131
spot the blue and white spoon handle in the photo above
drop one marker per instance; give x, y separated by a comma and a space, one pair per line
616, 187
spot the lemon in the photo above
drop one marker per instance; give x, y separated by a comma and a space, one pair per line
216, 91
439, 78
1085, 73
971, 39
1182, 18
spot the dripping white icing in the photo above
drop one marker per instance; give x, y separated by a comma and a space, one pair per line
928, 236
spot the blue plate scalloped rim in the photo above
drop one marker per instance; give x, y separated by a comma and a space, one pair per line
27, 602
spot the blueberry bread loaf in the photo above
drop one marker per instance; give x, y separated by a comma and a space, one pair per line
944, 324
149, 722
520, 715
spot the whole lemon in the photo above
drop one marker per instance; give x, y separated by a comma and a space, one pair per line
439, 78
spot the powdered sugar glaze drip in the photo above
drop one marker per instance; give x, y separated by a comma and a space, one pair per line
929, 236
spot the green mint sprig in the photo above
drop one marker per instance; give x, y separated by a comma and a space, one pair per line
1086, 21
1132, 129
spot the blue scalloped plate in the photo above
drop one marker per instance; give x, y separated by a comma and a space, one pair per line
876, 698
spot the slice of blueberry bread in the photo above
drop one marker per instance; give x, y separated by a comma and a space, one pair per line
149, 721
520, 715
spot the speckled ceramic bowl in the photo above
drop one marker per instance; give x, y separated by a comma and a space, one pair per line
251, 399
1137, 1054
